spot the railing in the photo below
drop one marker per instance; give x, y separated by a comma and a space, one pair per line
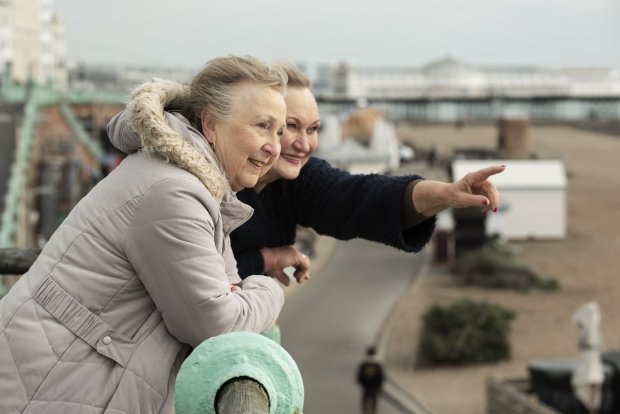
242, 395
237, 373
233, 373
19, 171
92, 147
37, 96
17, 261
511, 397
401, 399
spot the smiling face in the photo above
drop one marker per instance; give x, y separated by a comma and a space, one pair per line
300, 137
247, 142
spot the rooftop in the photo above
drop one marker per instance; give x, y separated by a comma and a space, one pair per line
519, 174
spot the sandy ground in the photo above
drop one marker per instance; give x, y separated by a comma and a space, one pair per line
586, 263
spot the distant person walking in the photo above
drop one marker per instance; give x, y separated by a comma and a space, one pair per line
370, 378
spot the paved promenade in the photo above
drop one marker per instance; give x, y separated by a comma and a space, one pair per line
586, 264
328, 322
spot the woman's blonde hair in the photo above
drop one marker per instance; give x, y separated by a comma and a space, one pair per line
211, 89
296, 78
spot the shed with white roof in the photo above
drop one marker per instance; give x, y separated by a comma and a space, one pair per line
532, 197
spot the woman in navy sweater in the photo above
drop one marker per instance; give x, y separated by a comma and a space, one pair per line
299, 189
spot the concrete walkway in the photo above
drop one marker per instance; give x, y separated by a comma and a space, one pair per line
329, 321
350, 303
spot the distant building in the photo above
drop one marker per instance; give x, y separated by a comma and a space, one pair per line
32, 42
363, 143
533, 197
449, 78
449, 90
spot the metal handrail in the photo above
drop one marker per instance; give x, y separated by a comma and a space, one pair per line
41, 96
401, 399
93, 147
15, 261
238, 372
19, 171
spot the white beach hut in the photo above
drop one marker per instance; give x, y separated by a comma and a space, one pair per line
533, 197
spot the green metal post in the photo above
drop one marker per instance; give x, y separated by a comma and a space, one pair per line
238, 355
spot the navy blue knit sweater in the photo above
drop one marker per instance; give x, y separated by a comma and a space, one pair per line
333, 203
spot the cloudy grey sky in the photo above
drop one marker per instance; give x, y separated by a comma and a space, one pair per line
186, 33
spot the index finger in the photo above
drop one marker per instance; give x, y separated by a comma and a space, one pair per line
305, 261
485, 173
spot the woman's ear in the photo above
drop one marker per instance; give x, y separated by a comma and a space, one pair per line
208, 126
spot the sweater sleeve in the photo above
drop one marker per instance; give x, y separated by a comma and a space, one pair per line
342, 205
250, 262
173, 248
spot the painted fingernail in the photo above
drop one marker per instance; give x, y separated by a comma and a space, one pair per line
495, 210
485, 202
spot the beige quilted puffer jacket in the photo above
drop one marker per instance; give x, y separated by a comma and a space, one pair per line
138, 271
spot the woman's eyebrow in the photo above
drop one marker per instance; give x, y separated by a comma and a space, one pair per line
269, 116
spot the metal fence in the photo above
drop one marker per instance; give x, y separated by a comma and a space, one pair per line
511, 397
402, 399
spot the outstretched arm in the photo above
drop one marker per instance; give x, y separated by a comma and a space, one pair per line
475, 189
370, 206
333, 202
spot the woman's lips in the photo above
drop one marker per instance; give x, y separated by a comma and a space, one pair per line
293, 159
258, 164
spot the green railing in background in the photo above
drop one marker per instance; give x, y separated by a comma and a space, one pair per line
19, 171
93, 147
97, 96
35, 98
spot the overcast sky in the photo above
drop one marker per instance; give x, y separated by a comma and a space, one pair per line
379, 33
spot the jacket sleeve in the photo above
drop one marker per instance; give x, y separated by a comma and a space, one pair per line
172, 245
121, 135
232, 272
370, 206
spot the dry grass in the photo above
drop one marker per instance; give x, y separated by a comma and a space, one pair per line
586, 263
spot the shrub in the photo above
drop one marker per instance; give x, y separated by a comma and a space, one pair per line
494, 266
465, 332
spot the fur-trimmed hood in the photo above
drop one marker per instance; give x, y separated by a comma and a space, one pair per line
145, 124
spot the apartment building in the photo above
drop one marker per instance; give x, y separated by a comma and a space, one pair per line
32, 42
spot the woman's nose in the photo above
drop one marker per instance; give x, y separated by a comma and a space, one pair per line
302, 142
272, 148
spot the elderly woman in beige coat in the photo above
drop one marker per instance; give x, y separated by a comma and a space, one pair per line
142, 269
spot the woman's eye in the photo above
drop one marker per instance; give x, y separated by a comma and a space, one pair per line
280, 132
263, 125
291, 126
312, 130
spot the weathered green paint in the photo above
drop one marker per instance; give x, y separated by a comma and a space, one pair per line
98, 96
273, 333
92, 146
19, 171
36, 96
39, 96
233, 355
